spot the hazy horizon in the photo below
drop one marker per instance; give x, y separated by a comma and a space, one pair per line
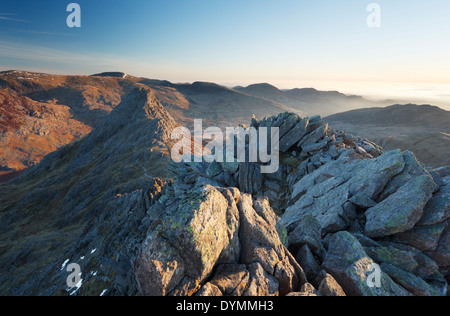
417, 93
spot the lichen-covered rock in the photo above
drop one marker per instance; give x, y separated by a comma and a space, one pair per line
399, 258
424, 238
325, 193
349, 264
400, 211
314, 137
412, 169
206, 235
261, 283
409, 281
363, 201
442, 253
209, 290
228, 277
187, 243
260, 242
409, 255
306, 290
437, 210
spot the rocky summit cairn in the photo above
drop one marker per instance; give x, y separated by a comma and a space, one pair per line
340, 217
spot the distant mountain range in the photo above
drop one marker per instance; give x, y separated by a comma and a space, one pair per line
41, 112
310, 100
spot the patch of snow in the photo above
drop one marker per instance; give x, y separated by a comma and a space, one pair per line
103, 293
77, 287
64, 264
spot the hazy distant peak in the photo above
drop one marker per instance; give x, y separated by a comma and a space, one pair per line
419, 107
312, 92
116, 74
200, 87
259, 88
303, 90
264, 85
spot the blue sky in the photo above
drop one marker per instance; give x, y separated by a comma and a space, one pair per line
232, 41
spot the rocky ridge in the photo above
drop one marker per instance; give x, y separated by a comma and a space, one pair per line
86, 204
337, 209
337, 206
39, 112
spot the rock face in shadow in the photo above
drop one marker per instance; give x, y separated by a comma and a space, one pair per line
87, 204
347, 261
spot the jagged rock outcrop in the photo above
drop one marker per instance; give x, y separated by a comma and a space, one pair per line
217, 234
348, 208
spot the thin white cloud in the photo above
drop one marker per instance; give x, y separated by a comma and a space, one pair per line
63, 61
43, 54
11, 17
45, 33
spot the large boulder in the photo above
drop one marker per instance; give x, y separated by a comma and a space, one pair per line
412, 169
350, 265
400, 211
326, 193
187, 243
437, 210
442, 253
261, 243
409, 281
206, 235
329, 287
424, 238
